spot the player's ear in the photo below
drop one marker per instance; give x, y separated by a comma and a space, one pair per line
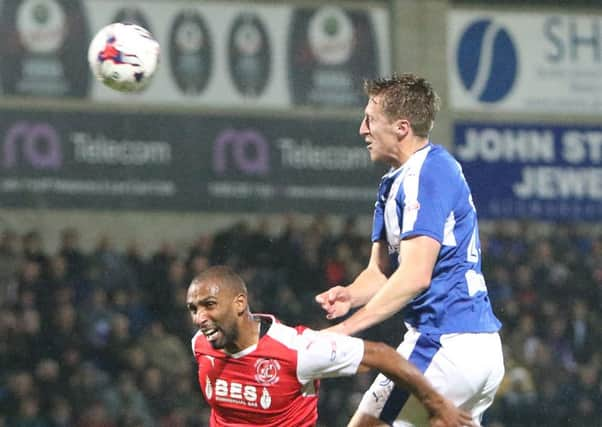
240, 304
402, 128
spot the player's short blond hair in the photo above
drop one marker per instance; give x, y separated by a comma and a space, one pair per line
407, 96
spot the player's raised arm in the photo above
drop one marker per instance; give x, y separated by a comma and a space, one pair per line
338, 300
413, 276
327, 355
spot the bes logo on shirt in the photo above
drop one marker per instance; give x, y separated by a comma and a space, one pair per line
234, 392
237, 393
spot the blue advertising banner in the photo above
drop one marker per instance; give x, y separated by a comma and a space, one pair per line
532, 170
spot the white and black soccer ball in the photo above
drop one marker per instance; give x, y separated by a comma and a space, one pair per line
124, 57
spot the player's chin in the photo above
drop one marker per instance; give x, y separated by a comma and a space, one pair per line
218, 341
217, 345
374, 156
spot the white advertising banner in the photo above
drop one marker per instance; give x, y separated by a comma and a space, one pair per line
253, 55
525, 62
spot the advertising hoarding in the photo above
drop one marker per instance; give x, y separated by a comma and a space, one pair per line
525, 62
537, 171
184, 162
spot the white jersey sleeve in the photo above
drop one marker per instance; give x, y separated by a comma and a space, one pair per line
326, 355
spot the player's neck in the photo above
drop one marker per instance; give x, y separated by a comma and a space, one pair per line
414, 144
248, 335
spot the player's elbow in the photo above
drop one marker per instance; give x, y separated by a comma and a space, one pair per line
380, 349
377, 355
421, 283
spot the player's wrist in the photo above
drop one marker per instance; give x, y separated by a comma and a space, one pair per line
433, 402
339, 328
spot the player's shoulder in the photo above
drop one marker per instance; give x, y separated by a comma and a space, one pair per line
291, 339
439, 154
440, 163
284, 334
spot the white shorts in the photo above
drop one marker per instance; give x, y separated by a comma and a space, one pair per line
465, 368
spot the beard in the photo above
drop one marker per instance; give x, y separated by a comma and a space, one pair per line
225, 339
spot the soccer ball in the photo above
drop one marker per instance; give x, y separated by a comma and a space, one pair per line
124, 57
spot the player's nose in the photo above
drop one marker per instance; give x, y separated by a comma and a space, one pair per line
200, 318
364, 130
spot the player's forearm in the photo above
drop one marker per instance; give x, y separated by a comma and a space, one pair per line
365, 285
388, 300
402, 372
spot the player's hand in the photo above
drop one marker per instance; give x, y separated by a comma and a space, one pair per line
336, 301
447, 415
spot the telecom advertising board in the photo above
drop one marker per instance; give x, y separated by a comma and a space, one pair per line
525, 62
183, 162
532, 170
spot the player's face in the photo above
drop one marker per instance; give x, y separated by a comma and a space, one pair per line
379, 133
214, 311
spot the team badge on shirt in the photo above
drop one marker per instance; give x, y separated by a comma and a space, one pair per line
266, 371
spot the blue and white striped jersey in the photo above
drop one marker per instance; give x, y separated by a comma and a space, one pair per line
428, 195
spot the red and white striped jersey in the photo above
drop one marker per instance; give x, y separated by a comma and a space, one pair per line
275, 382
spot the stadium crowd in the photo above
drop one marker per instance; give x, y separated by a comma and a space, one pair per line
101, 338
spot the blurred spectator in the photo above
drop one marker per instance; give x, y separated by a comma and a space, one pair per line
28, 414
95, 414
229, 244
196, 264
583, 332
57, 278
60, 413
96, 318
63, 333
70, 251
110, 270
10, 265
30, 281
33, 251
136, 262
8, 332
154, 384
114, 353
127, 404
161, 296
19, 387
130, 303
27, 342
48, 380
165, 351
518, 398
88, 386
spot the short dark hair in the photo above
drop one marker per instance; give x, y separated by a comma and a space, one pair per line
407, 96
225, 276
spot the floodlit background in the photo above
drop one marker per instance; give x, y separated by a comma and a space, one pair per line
244, 150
